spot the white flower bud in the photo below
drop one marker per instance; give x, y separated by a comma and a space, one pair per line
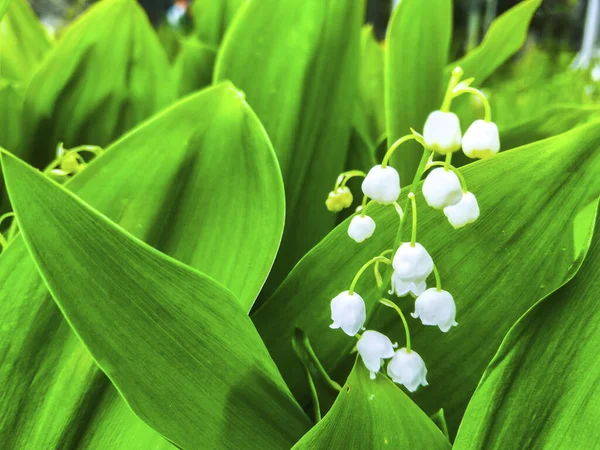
401, 288
348, 312
408, 368
464, 212
412, 264
382, 184
373, 347
442, 132
442, 188
481, 140
361, 228
436, 308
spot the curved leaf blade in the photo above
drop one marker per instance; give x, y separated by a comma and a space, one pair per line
510, 248
72, 98
305, 102
373, 415
168, 337
417, 52
545, 374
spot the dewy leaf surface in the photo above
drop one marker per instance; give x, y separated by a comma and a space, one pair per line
175, 343
372, 415
107, 73
417, 52
297, 61
519, 250
542, 387
23, 41
504, 38
157, 182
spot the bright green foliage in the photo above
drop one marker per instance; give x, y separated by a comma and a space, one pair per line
212, 18
373, 415
4, 4
194, 66
158, 196
299, 74
520, 249
418, 45
506, 35
23, 42
169, 338
11, 109
541, 389
106, 74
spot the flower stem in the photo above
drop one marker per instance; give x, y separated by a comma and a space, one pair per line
482, 97
438, 280
363, 209
413, 237
390, 304
378, 278
363, 268
448, 161
394, 146
454, 79
351, 174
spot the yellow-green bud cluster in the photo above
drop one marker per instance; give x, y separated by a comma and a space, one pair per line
339, 199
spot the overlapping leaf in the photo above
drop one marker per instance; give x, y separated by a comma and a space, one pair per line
175, 343
107, 73
165, 183
23, 41
541, 388
299, 72
417, 52
194, 66
371, 415
212, 18
521, 248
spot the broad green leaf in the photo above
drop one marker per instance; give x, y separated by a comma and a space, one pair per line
547, 124
541, 388
11, 110
194, 66
504, 38
168, 337
4, 4
519, 250
297, 62
160, 196
417, 51
212, 18
23, 41
369, 110
106, 74
371, 415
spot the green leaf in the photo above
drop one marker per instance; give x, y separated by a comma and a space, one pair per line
299, 73
541, 388
369, 110
168, 337
23, 41
212, 18
106, 74
504, 38
4, 4
417, 52
194, 66
519, 250
551, 122
159, 183
371, 415
11, 110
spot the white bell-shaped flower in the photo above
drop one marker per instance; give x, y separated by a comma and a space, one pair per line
442, 132
374, 347
348, 312
412, 264
401, 287
361, 228
408, 368
382, 184
464, 212
436, 308
481, 140
442, 188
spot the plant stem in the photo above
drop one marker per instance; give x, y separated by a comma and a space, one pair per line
390, 304
395, 145
363, 268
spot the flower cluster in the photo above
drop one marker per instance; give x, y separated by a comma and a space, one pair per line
409, 263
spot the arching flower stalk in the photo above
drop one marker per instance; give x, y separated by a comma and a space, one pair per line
409, 264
